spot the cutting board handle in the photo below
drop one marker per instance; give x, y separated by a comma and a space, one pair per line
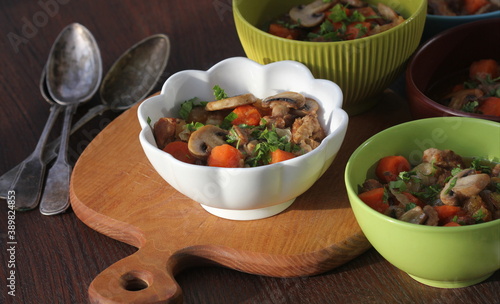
137, 279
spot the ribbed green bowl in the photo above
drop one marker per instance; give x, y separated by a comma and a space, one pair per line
362, 68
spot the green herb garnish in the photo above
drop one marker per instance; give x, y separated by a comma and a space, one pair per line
219, 93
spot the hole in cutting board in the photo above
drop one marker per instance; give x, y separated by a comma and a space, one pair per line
136, 280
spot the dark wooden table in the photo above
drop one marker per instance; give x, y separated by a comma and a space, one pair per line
56, 257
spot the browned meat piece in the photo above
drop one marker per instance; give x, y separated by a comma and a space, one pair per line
276, 121
443, 158
371, 184
432, 216
164, 131
307, 132
395, 211
476, 208
492, 202
495, 172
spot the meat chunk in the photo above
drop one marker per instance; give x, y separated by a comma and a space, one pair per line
443, 158
371, 184
307, 132
432, 216
165, 130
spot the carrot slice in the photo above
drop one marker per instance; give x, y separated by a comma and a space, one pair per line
389, 167
284, 32
247, 114
446, 212
483, 68
225, 156
472, 6
451, 224
490, 106
375, 199
180, 151
412, 198
357, 30
280, 155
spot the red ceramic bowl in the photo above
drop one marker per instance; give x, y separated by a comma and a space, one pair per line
446, 54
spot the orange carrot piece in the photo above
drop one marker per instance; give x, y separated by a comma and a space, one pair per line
490, 106
280, 155
446, 212
247, 114
180, 151
353, 30
225, 156
482, 68
284, 32
389, 167
451, 224
375, 199
412, 198
472, 6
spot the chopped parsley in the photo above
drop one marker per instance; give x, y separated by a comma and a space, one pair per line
188, 105
470, 107
219, 93
476, 165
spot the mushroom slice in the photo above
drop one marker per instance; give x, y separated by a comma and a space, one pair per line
386, 12
289, 99
463, 185
203, 140
414, 216
354, 3
231, 102
311, 14
310, 107
461, 98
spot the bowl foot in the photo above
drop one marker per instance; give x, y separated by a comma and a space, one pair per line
251, 214
451, 284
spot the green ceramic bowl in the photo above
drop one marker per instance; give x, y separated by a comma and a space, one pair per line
447, 257
362, 68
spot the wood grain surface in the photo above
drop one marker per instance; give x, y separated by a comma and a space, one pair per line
58, 257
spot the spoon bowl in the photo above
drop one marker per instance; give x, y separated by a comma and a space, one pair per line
138, 68
74, 69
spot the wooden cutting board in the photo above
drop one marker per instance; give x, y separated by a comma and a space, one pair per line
115, 191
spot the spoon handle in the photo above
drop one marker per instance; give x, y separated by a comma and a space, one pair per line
28, 181
50, 151
55, 197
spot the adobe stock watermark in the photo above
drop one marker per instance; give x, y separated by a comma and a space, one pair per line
11, 244
30, 26
222, 7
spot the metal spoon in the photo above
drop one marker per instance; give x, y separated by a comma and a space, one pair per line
28, 180
74, 73
143, 63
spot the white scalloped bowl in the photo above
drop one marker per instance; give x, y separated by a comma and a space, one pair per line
245, 193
